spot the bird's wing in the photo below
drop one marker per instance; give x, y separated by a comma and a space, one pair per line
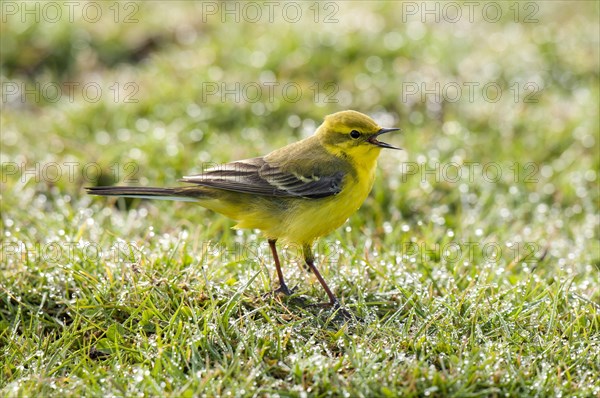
259, 177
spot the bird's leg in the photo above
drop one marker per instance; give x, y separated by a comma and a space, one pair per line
333, 301
282, 286
310, 261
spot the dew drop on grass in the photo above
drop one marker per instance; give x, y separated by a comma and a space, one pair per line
534, 197
387, 227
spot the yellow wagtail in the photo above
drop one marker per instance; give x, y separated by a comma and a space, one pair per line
297, 193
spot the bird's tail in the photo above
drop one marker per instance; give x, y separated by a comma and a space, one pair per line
144, 192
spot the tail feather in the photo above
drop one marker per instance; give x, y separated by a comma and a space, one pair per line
143, 192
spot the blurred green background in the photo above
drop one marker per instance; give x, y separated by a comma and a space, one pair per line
506, 94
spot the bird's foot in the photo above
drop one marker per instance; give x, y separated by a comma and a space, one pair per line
338, 309
283, 289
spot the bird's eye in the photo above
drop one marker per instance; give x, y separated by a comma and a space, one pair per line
354, 134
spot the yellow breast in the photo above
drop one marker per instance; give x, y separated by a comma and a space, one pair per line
309, 219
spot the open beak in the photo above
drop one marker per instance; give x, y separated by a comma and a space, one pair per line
373, 139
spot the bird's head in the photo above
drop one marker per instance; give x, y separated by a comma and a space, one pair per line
353, 134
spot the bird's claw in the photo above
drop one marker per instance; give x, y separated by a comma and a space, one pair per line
285, 290
281, 289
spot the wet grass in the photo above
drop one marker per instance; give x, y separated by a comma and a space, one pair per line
481, 284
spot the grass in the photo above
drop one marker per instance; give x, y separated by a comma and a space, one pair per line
476, 285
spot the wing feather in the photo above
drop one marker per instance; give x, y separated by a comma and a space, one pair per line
257, 176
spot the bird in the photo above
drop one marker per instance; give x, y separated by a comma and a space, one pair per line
295, 194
